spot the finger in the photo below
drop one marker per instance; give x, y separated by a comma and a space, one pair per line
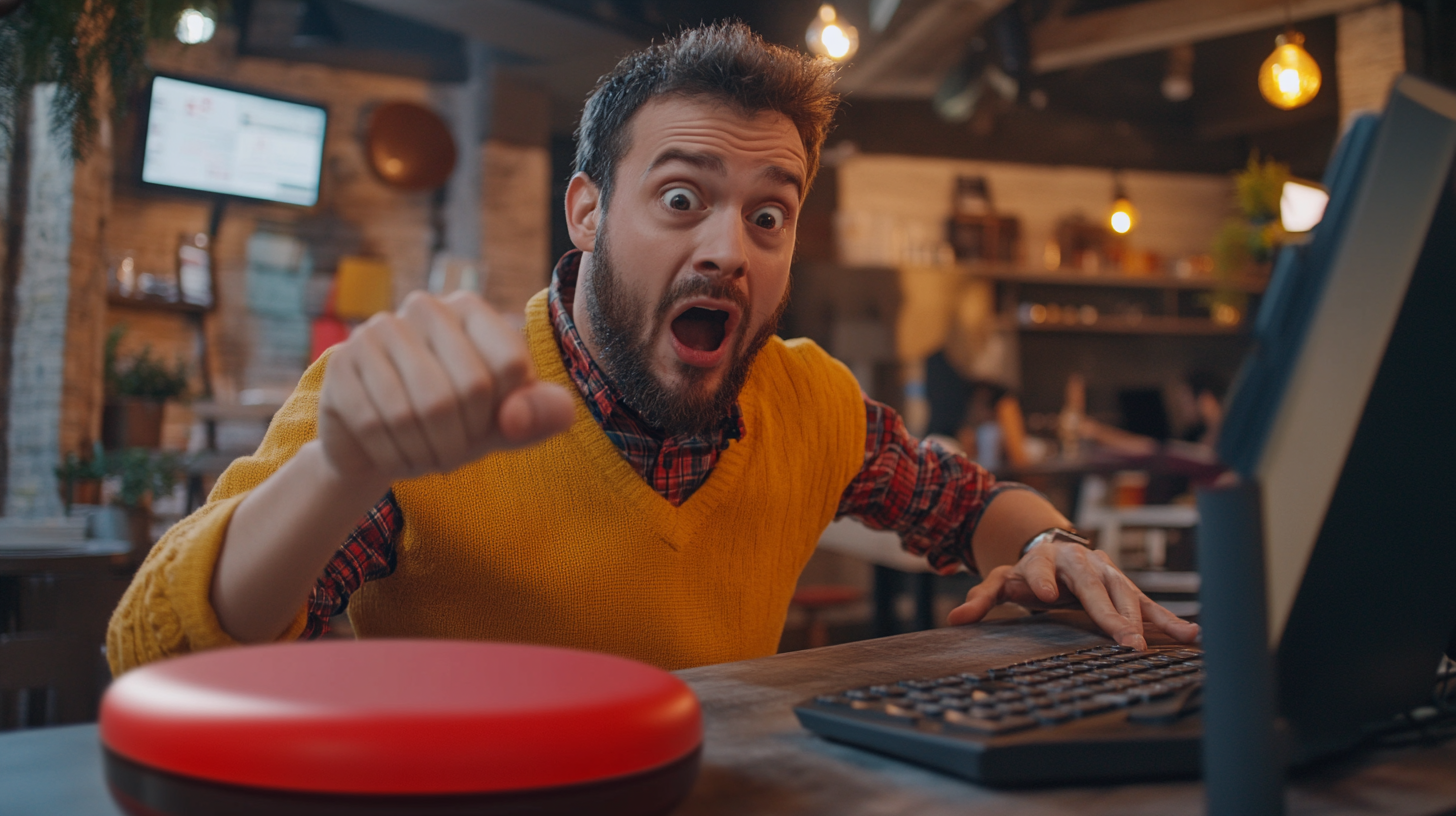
1126, 598
502, 347
1040, 571
982, 598
385, 391
360, 417
443, 331
1180, 630
1092, 593
534, 412
432, 400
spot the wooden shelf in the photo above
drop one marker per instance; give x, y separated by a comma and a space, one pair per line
1148, 324
159, 305
1074, 278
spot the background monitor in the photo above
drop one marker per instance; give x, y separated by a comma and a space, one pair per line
208, 138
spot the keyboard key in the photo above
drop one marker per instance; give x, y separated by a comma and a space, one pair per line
1014, 708
1053, 716
1040, 702
907, 712
1119, 700
1005, 725
986, 713
1008, 696
833, 700
960, 704
930, 710
1086, 708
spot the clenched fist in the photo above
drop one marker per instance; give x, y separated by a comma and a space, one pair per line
431, 387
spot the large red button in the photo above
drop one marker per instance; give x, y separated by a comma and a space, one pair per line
400, 717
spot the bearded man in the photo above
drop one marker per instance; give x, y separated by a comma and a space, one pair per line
647, 470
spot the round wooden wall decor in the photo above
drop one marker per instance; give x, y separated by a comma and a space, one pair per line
409, 146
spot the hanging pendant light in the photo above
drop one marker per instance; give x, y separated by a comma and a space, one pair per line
1290, 77
829, 36
1123, 216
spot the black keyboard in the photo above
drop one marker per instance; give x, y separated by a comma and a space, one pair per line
1100, 714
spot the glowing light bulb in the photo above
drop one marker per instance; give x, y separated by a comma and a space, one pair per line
835, 42
1123, 216
829, 36
195, 26
1290, 77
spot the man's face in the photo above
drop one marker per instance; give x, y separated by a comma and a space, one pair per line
689, 272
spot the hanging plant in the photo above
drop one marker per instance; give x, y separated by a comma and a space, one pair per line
76, 44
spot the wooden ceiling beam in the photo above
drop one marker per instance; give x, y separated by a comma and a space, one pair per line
940, 29
1067, 42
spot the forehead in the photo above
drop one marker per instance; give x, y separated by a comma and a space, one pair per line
698, 125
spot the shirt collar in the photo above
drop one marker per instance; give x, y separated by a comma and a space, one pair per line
601, 396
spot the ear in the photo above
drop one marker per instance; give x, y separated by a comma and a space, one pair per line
583, 212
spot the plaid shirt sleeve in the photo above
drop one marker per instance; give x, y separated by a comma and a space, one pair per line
367, 554
928, 494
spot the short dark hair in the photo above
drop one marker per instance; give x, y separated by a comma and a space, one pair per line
724, 61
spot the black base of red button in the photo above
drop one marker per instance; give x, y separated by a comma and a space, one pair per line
142, 791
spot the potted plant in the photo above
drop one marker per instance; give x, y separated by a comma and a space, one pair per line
136, 391
81, 478
140, 474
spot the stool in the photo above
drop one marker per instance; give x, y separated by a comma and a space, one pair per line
815, 599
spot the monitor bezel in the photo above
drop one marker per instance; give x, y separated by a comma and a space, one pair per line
145, 123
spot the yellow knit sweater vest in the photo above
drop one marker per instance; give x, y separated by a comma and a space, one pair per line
564, 543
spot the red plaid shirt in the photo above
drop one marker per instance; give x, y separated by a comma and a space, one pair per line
929, 495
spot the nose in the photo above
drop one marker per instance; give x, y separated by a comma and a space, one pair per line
722, 250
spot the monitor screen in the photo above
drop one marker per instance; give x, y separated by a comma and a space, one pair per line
217, 140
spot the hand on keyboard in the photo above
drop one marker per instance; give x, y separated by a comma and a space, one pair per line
1063, 573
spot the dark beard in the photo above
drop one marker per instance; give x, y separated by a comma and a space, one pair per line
625, 347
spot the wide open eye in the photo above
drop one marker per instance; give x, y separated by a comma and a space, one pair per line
682, 198
770, 217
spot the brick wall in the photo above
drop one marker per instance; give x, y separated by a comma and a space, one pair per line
1370, 52
1180, 212
38, 354
515, 222
394, 225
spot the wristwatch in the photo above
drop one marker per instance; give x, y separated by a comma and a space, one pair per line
1054, 534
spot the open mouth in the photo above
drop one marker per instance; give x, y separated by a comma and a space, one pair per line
701, 329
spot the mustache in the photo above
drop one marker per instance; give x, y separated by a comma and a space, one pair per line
700, 286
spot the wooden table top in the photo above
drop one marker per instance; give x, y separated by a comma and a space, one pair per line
757, 760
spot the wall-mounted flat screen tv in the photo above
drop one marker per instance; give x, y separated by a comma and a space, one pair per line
226, 141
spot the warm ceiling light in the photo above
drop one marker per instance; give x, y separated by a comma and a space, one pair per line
1290, 77
1124, 215
1302, 205
829, 36
195, 26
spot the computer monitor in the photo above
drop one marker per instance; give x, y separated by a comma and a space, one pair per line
209, 138
1343, 416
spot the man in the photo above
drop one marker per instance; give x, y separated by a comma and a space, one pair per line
648, 469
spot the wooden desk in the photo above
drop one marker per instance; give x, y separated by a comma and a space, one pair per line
757, 760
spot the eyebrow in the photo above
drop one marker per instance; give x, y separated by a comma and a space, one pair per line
715, 164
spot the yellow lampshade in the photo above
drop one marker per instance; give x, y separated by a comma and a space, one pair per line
1290, 77
830, 36
1124, 216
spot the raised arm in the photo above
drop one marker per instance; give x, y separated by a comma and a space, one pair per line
427, 389
433, 387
